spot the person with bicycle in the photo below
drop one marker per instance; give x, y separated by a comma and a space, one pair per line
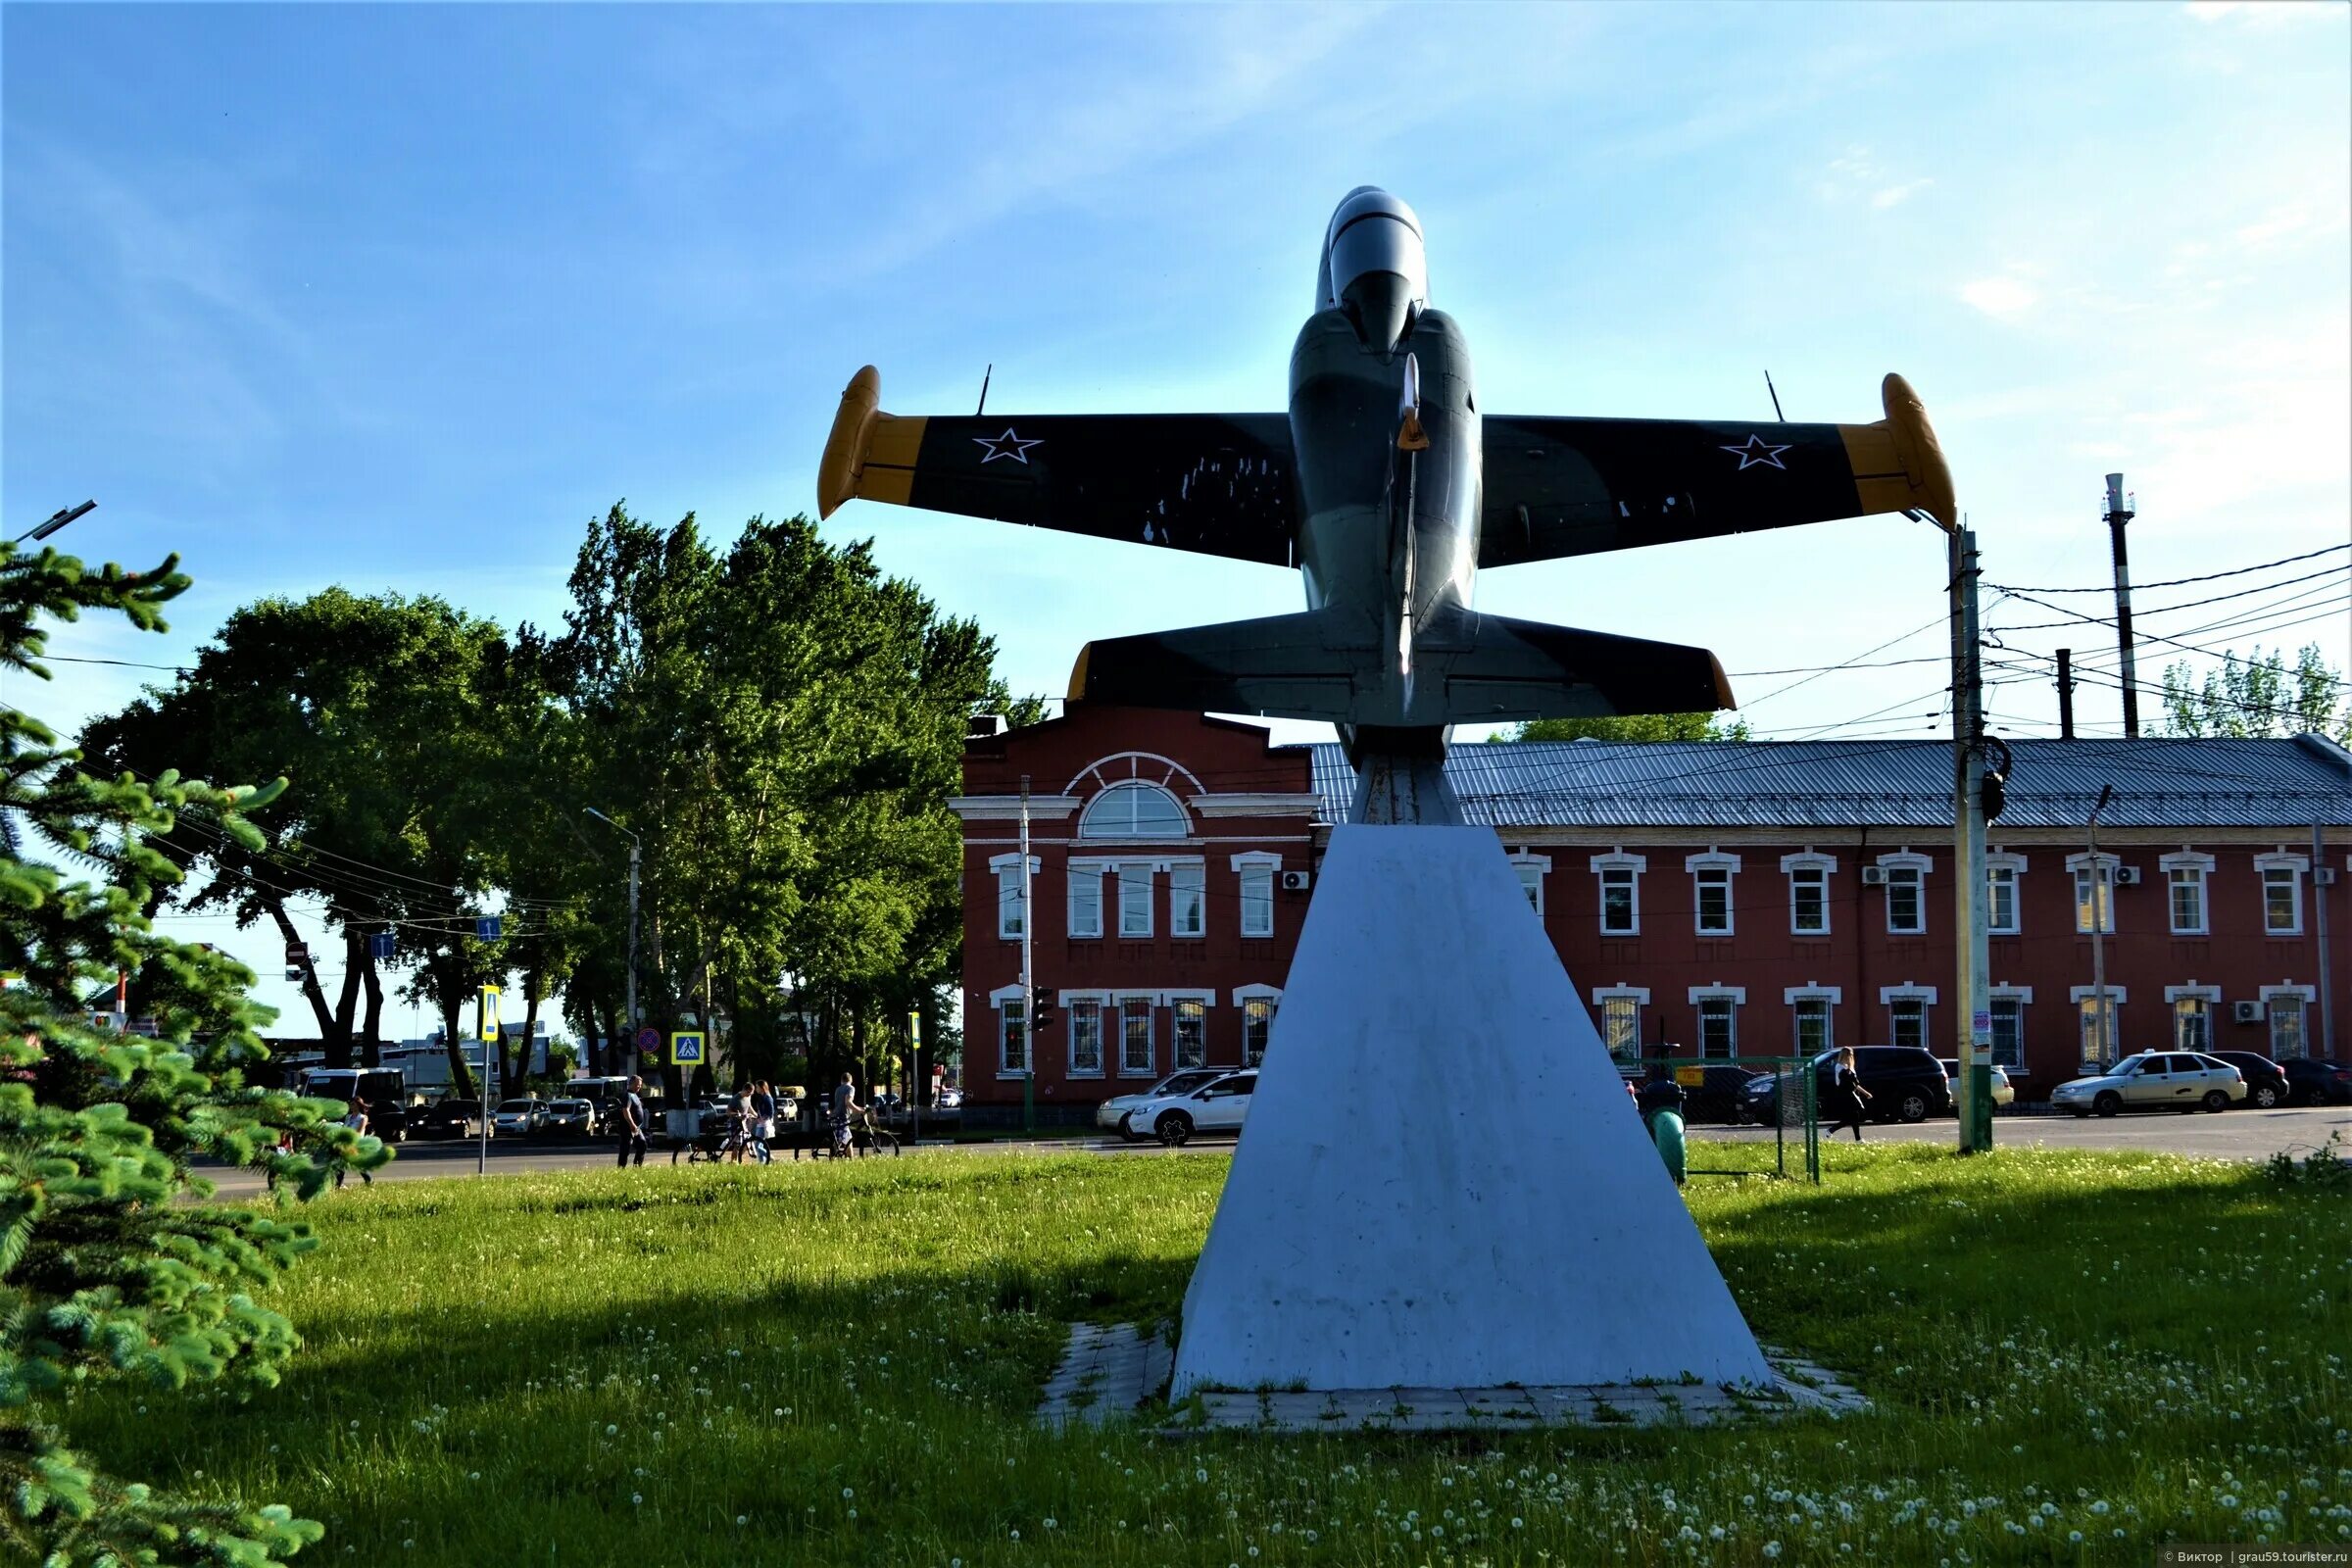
845, 1105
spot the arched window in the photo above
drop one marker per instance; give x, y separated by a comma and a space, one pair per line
1134, 809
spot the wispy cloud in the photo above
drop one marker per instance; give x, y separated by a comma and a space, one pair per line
2002, 296
1856, 175
2260, 13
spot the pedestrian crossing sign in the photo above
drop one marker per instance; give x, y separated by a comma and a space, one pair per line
686, 1048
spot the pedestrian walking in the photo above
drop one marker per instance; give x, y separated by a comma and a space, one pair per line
632, 1122
845, 1101
1848, 1095
764, 1120
356, 1118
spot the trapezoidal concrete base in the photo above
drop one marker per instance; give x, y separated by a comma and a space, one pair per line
1442, 1183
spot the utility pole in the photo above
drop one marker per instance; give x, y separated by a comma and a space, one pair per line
2102, 899
1028, 984
2066, 694
2319, 926
2119, 512
1972, 999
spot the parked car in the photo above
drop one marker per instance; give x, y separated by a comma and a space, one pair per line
2004, 1092
2153, 1080
574, 1118
2266, 1080
384, 1089
1216, 1107
1720, 1095
520, 1117
2311, 1081
1111, 1114
444, 1118
949, 1100
1905, 1083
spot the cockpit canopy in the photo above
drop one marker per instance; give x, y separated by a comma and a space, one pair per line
1373, 266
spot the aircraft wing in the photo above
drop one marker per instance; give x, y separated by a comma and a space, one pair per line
1217, 483
1575, 487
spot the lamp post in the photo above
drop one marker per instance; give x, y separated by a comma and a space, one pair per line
635, 849
2102, 899
56, 520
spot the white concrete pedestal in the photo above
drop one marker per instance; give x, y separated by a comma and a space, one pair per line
1442, 1182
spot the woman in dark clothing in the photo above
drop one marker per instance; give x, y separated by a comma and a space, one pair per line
1848, 1094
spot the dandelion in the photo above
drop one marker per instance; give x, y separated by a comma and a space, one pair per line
1771, 1548
636, 1500
612, 1431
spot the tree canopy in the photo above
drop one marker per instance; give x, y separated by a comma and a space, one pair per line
2259, 696
1631, 727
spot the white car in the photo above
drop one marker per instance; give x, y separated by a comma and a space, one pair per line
520, 1117
1216, 1107
2153, 1080
1111, 1114
2004, 1092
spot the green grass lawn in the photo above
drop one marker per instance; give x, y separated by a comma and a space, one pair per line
2071, 1356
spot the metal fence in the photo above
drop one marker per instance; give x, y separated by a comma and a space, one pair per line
1722, 1091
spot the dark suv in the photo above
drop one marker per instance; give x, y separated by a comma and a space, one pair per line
2266, 1080
1905, 1083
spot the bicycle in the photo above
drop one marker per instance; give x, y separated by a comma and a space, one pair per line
876, 1136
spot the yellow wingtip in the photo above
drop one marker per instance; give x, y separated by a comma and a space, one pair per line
1921, 455
846, 445
1077, 693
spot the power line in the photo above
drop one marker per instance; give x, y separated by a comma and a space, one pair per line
2178, 582
2332, 572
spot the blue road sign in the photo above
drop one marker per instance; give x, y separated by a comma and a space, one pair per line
380, 944
485, 928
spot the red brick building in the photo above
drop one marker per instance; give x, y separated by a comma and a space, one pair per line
1709, 899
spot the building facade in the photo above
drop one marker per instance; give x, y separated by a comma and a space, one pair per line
1711, 900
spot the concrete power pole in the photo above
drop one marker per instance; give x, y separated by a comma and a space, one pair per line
2319, 926
2066, 694
1028, 983
1972, 998
2119, 512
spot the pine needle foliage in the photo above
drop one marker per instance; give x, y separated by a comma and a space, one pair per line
112, 1269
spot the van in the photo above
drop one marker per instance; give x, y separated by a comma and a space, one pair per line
383, 1088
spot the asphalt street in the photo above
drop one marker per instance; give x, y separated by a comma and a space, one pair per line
2232, 1135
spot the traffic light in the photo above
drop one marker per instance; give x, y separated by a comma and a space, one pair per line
1993, 794
1041, 1006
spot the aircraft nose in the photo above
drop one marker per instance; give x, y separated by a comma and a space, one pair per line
1373, 264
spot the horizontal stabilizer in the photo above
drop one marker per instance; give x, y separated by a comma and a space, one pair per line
1305, 666
1509, 671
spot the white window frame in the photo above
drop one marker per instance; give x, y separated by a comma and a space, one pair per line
1129, 872
2211, 996
1196, 872
1899, 862
1531, 869
1257, 866
1121, 1000
1096, 1004
2305, 997
1007, 869
1923, 997
1175, 1002
2078, 868
1635, 995
2117, 995
1713, 863
1086, 873
1247, 996
2201, 867
1700, 997
2021, 997
1809, 863
2003, 868
1801, 997
1634, 865
2264, 866
1013, 1016
1129, 787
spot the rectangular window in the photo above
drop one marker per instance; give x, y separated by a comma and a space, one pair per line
2192, 1024
1086, 903
1718, 1028
2188, 900
1621, 1026
1907, 1021
1257, 900
1135, 1037
1714, 901
1135, 901
1810, 902
1188, 901
1814, 1034
1009, 903
2098, 1045
1620, 913
1258, 1027
2094, 898
2001, 899
1907, 910
2008, 1032
1192, 1032
1012, 1036
1086, 1040
2281, 900
2286, 1028
1531, 883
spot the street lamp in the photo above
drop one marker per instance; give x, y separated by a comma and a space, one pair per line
634, 849
2102, 900
57, 520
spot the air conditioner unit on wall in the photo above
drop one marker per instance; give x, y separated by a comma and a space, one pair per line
2126, 876
1295, 881
2246, 1012
2324, 876
1873, 876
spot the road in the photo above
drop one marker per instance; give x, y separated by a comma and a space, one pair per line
2232, 1134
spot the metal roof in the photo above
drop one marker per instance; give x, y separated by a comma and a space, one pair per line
1903, 783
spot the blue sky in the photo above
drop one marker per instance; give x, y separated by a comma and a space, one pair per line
401, 297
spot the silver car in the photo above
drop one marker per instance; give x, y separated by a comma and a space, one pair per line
2153, 1080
